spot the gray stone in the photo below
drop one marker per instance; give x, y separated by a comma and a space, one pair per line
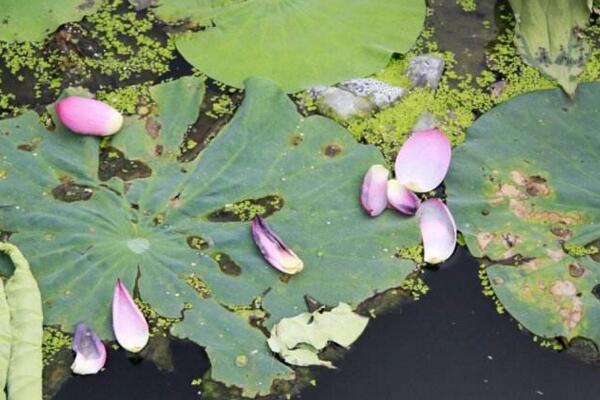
341, 104
380, 93
426, 70
425, 122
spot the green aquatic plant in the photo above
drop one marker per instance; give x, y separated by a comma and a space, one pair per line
521, 187
299, 44
132, 209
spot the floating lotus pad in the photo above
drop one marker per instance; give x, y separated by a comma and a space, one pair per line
166, 222
525, 182
297, 43
33, 20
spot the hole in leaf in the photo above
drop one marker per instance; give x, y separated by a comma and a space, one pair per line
209, 124
246, 210
197, 243
227, 265
198, 285
596, 291
114, 164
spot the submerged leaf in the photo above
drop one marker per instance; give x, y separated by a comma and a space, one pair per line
523, 185
299, 339
297, 43
26, 319
164, 225
549, 36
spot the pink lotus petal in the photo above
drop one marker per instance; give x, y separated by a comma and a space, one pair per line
129, 325
90, 353
401, 198
373, 196
438, 231
423, 160
88, 116
273, 249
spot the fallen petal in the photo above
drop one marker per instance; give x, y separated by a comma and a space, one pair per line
401, 198
373, 196
273, 249
129, 325
88, 116
423, 160
438, 231
90, 353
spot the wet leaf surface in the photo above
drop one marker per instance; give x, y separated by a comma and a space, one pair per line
524, 190
140, 229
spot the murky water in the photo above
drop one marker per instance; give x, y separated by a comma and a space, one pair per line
452, 344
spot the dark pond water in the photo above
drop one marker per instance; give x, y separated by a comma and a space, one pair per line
451, 344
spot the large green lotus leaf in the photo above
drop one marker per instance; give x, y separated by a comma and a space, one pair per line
549, 36
33, 20
174, 228
297, 43
524, 184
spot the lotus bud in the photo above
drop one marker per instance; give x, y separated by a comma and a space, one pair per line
401, 198
129, 325
90, 353
373, 196
273, 249
438, 231
423, 160
88, 116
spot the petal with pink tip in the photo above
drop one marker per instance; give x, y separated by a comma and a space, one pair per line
373, 196
129, 325
423, 160
90, 353
88, 116
438, 231
273, 249
401, 198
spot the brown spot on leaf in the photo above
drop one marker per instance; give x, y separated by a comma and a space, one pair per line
152, 127
296, 140
114, 164
332, 150
70, 192
555, 255
528, 212
568, 304
509, 240
576, 270
227, 265
484, 239
31, 145
561, 231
